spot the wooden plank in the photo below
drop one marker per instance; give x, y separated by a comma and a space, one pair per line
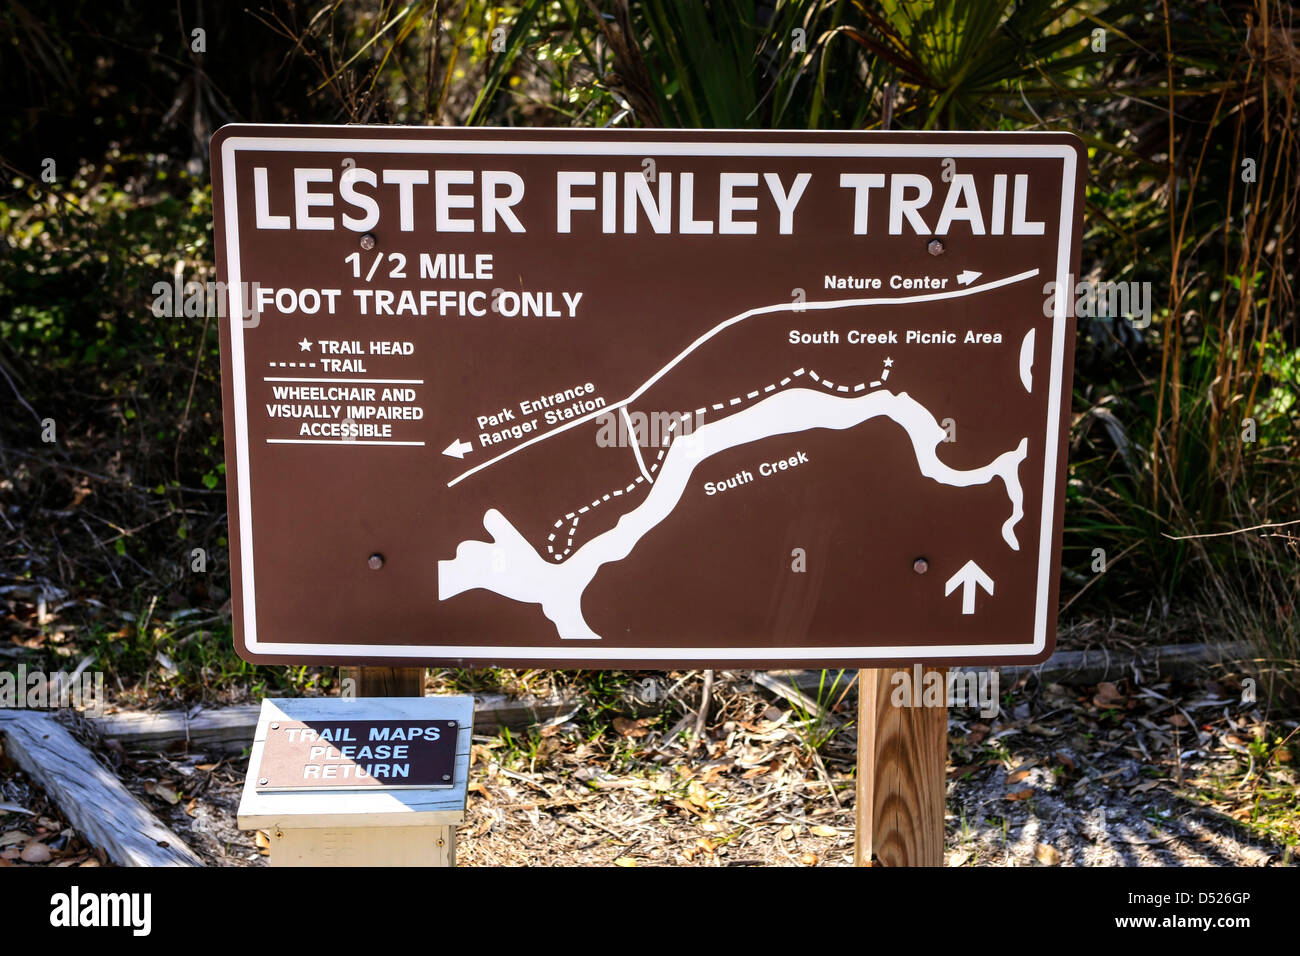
1082, 667
89, 795
372, 846
225, 728
1098, 664
902, 752
231, 728
493, 712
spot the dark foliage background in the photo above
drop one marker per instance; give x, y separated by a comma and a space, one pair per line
1198, 524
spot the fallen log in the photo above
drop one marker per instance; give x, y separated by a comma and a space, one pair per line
95, 802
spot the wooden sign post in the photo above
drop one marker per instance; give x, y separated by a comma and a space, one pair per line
385, 681
902, 752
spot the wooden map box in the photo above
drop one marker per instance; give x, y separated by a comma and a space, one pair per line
375, 823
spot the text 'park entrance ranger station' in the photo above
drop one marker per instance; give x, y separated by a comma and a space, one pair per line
645, 398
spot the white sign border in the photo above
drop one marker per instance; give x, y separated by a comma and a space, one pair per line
639, 147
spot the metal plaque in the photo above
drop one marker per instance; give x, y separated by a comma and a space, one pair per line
642, 398
358, 755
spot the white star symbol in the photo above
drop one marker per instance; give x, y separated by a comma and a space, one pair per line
889, 363
305, 345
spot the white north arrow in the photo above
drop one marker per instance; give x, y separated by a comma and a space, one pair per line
970, 575
458, 448
967, 277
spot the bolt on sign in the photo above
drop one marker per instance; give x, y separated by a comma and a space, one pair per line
585, 398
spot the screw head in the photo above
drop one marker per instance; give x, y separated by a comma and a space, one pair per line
368, 241
451, 723
275, 726
920, 565
446, 776
375, 562
262, 782
935, 248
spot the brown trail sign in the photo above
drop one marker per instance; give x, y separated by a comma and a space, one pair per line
644, 398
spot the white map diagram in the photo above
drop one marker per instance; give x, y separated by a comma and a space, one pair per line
510, 566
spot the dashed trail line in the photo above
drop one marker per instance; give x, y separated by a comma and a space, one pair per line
573, 517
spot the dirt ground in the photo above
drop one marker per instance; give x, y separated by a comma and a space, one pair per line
1170, 774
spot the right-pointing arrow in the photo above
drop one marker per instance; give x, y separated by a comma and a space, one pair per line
967, 277
970, 575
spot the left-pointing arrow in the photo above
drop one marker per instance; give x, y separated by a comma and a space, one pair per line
458, 448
